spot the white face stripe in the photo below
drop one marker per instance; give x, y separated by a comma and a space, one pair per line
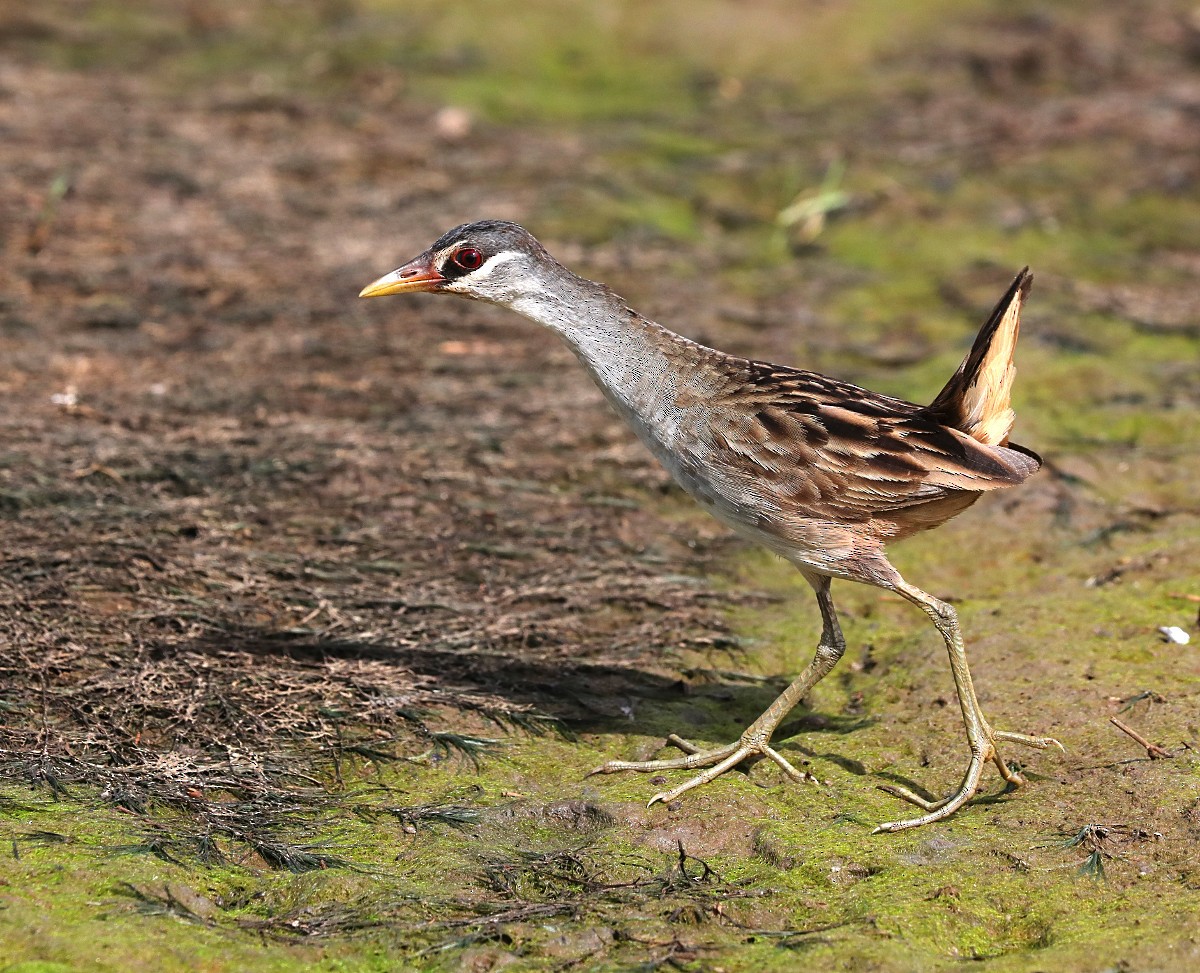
477, 282
492, 263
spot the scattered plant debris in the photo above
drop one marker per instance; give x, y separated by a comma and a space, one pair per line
1153, 750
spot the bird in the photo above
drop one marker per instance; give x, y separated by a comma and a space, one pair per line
820, 471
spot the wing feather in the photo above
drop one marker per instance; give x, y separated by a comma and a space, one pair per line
976, 400
848, 454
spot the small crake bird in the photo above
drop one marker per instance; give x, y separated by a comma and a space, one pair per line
820, 471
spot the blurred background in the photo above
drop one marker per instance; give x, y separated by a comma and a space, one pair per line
332, 537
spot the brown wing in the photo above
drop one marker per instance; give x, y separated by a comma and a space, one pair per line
845, 453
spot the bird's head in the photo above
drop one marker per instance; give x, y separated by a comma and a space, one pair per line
490, 260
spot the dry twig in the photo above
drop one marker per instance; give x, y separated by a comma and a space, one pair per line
1153, 750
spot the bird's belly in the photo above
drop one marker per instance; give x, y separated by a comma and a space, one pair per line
750, 509
823, 546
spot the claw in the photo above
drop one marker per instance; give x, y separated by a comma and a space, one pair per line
937, 810
605, 768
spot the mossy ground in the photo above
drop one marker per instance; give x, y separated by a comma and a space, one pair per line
660, 142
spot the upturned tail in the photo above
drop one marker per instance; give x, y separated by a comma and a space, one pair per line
976, 400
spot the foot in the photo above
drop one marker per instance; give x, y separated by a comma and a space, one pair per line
717, 761
937, 810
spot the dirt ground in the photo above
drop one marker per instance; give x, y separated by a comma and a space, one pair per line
315, 610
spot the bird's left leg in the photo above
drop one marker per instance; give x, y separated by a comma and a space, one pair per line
980, 736
755, 741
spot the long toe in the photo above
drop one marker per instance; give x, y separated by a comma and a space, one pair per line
785, 765
695, 757
1024, 739
735, 758
939, 809
896, 790
1038, 743
718, 760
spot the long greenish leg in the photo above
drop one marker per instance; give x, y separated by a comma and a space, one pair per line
980, 736
755, 741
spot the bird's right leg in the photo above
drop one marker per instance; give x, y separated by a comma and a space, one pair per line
755, 741
981, 738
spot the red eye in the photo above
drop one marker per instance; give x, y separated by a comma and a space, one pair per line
468, 258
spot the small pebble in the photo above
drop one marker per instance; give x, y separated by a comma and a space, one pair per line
453, 124
1174, 634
